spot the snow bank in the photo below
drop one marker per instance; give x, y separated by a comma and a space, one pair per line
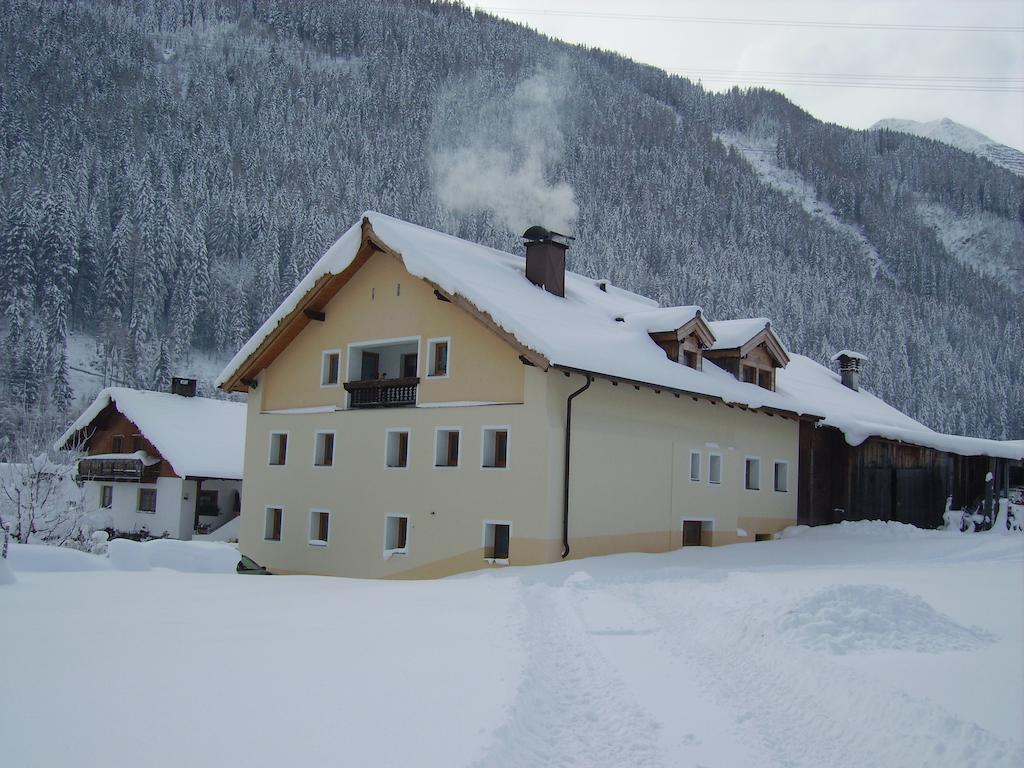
41, 558
6, 574
186, 556
866, 618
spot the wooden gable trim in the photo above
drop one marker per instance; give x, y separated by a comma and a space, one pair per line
325, 289
699, 328
101, 424
771, 343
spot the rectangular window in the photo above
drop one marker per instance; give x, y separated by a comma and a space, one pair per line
691, 359
764, 379
692, 530
446, 447
397, 448
324, 449
763, 537
137, 444
714, 469
207, 503
278, 449
147, 500
106, 496
437, 357
750, 374
695, 466
495, 448
752, 475
396, 531
117, 444
782, 476
496, 540
319, 527
272, 524
330, 368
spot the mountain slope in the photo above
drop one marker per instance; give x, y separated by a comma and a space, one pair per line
959, 136
166, 197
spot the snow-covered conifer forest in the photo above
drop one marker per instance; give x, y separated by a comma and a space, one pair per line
169, 170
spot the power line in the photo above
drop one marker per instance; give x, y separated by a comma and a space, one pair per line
754, 22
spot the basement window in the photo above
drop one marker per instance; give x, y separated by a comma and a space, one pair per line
446, 447
278, 449
330, 368
319, 527
397, 449
752, 474
782, 476
694, 533
695, 466
396, 535
147, 500
323, 452
272, 524
496, 541
495, 448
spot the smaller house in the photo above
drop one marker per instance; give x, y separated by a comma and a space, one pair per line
162, 463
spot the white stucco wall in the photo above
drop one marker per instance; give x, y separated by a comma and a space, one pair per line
124, 513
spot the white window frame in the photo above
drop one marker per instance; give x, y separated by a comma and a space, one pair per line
266, 522
270, 447
309, 533
138, 499
721, 470
700, 462
430, 358
462, 447
111, 487
483, 541
775, 464
408, 449
323, 368
358, 345
396, 550
746, 460
507, 429
316, 448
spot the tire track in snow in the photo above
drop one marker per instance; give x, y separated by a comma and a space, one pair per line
803, 708
572, 709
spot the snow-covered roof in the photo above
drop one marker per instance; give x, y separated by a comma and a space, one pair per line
200, 437
578, 331
662, 319
848, 353
730, 334
858, 414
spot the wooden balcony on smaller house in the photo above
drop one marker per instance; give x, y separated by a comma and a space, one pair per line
382, 393
123, 468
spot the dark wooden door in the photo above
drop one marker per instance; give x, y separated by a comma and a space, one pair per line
370, 368
409, 365
501, 542
873, 496
915, 498
691, 533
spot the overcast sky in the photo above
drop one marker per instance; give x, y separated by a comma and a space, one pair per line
973, 77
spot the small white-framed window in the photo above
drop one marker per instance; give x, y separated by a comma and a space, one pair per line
277, 455
494, 447
439, 358
273, 524
447, 447
106, 496
715, 468
781, 477
752, 473
323, 448
319, 527
695, 461
497, 537
396, 448
697, 532
330, 368
147, 500
396, 535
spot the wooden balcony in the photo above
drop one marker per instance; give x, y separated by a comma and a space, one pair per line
119, 470
382, 393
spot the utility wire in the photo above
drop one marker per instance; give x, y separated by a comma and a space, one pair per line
753, 22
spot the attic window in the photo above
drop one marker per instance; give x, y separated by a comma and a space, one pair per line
117, 444
749, 374
691, 359
764, 378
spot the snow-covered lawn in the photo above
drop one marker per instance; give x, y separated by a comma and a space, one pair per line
856, 645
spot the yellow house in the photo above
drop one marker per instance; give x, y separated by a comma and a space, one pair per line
421, 405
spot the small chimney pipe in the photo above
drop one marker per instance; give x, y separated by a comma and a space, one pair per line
850, 364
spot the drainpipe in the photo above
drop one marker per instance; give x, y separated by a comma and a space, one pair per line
565, 478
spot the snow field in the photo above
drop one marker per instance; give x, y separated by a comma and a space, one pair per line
864, 644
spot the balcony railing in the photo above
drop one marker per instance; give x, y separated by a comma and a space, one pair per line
117, 470
382, 393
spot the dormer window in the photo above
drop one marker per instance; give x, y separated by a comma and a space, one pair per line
749, 350
749, 374
691, 359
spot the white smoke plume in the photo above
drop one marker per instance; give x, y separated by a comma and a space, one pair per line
495, 155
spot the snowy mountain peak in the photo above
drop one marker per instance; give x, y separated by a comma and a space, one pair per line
959, 136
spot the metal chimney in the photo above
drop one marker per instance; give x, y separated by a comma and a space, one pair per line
545, 258
850, 365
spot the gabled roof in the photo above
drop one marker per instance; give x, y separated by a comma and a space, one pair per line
747, 333
578, 332
198, 436
858, 414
